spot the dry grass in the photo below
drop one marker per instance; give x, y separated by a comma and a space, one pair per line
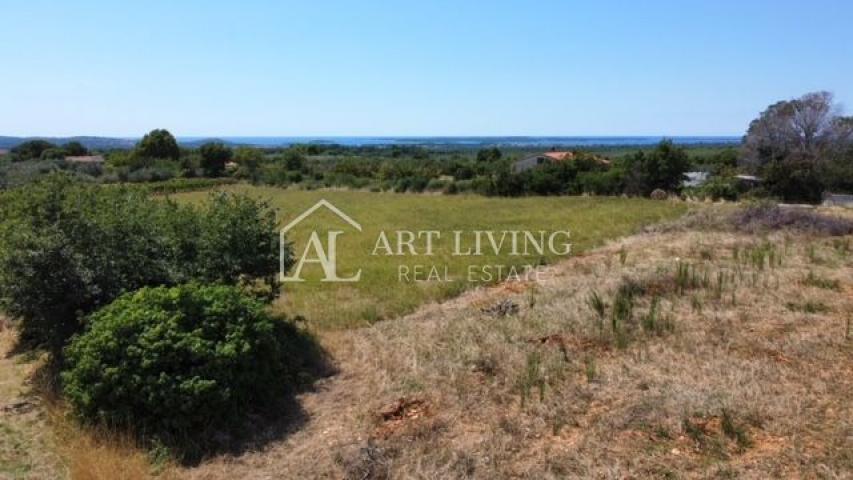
731, 382
27, 448
707, 354
38, 440
95, 455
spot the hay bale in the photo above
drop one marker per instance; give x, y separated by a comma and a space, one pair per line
658, 194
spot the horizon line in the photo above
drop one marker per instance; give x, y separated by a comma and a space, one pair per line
197, 136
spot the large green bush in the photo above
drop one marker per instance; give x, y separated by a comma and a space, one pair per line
67, 249
169, 362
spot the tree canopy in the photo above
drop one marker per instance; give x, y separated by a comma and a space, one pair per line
214, 156
158, 143
801, 147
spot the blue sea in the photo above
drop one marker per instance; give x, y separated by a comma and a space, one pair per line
472, 142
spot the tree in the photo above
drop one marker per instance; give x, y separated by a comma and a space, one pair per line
489, 155
800, 147
293, 160
214, 156
158, 144
67, 249
32, 149
53, 154
807, 127
661, 168
248, 159
75, 149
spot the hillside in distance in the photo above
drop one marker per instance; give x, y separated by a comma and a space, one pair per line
111, 143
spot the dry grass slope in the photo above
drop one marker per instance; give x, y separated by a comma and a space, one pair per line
687, 352
707, 354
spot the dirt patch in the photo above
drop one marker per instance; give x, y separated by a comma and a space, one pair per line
401, 416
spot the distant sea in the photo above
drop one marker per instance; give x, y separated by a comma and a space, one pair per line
470, 142
450, 143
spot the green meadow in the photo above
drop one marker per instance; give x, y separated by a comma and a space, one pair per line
432, 266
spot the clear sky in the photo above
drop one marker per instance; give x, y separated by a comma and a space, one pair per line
426, 67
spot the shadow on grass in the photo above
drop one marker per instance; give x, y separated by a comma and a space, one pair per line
261, 426
255, 427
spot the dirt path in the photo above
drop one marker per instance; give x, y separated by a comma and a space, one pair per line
26, 449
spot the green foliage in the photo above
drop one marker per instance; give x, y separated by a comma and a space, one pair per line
31, 149
214, 156
661, 168
158, 143
610, 182
177, 185
794, 180
718, 188
75, 149
179, 362
489, 155
248, 160
67, 249
293, 160
52, 154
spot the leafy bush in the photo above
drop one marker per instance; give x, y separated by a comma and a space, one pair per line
611, 182
662, 168
176, 185
171, 362
67, 249
437, 184
718, 188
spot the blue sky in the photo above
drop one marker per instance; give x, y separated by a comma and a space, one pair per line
414, 68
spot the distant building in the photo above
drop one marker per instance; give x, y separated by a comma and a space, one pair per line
749, 181
88, 159
837, 200
695, 179
534, 161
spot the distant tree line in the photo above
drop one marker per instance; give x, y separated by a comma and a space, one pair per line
798, 149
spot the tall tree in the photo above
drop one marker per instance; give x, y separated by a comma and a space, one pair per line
489, 155
75, 149
662, 168
806, 127
158, 143
214, 156
32, 149
801, 147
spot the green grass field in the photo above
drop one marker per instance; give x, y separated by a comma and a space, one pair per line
381, 293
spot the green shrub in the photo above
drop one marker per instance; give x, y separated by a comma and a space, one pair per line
436, 185
67, 249
719, 188
179, 361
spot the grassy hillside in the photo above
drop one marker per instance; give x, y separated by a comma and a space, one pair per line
716, 354
380, 293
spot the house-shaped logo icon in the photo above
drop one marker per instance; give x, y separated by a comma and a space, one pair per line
315, 251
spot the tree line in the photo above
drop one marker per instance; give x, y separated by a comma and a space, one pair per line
797, 148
